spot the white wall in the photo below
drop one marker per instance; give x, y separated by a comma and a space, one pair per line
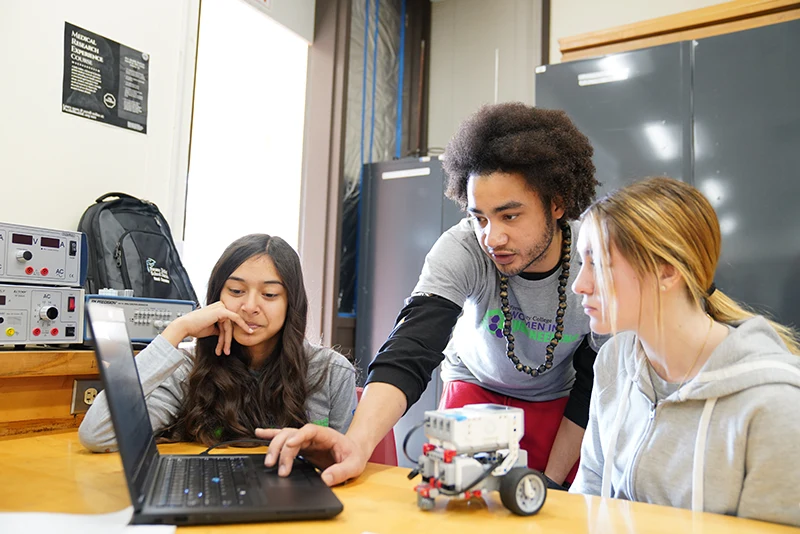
573, 17
52, 164
297, 15
480, 50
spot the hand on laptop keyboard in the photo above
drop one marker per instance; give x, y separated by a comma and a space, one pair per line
338, 454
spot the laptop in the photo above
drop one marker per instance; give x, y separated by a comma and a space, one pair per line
192, 489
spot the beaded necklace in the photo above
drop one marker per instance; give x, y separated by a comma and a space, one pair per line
562, 308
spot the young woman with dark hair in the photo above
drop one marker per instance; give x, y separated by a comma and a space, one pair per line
251, 366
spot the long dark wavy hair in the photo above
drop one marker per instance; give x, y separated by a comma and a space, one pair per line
225, 400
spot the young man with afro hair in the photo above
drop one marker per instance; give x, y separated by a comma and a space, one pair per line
492, 303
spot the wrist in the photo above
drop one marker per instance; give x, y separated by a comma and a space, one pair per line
552, 484
363, 442
174, 333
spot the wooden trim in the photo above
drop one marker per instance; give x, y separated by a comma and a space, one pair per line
546, 20
191, 126
18, 428
36, 389
40, 397
696, 33
25, 364
723, 18
323, 163
417, 79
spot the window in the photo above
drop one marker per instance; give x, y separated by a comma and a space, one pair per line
247, 133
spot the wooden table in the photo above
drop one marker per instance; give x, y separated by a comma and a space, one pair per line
52, 472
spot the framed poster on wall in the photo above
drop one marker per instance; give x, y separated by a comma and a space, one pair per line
104, 80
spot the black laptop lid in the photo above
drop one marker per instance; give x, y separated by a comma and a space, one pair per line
124, 394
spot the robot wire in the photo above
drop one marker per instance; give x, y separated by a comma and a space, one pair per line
415, 472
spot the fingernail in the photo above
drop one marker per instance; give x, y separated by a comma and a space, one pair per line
268, 459
327, 478
282, 471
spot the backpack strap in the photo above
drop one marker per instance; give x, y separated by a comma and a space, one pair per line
118, 195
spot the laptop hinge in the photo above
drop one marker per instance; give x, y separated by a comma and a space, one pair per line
149, 481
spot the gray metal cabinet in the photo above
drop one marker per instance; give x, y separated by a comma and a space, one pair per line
722, 113
403, 213
633, 106
747, 160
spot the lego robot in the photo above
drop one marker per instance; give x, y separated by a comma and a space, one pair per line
474, 450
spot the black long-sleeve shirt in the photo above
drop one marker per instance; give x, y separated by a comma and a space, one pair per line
414, 349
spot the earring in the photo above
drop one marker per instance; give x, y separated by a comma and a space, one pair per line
663, 288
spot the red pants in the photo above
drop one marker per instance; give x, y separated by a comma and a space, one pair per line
542, 419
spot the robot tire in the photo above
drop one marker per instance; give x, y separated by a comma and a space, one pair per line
523, 491
425, 503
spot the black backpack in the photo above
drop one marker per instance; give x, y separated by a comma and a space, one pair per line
131, 247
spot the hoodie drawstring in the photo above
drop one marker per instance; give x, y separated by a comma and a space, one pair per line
698, 466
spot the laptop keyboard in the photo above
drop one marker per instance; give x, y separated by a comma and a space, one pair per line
205, 481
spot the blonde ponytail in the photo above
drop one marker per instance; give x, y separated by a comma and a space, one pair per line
662, 221
724, 309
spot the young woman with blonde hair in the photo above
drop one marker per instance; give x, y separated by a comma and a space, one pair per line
695, 398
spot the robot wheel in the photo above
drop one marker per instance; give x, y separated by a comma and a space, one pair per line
523, 490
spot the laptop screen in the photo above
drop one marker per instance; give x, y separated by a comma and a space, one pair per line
124, 395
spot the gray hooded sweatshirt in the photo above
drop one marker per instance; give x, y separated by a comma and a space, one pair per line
727, 442
164, 373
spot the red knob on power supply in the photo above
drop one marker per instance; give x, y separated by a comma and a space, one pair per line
44, 271
36, 331
54, 332
28, 270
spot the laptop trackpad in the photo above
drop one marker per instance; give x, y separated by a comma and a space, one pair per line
302, 475
295, 491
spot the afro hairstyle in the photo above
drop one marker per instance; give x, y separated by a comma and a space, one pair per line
542, 145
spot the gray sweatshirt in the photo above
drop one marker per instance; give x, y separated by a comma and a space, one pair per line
164, 372
727, 442
457, 269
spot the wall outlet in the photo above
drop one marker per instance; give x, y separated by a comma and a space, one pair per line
83, 394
